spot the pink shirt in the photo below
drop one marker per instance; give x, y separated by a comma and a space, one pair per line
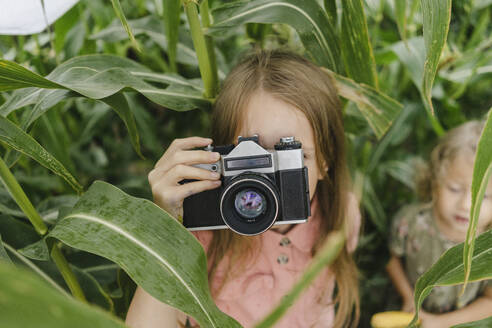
281, 261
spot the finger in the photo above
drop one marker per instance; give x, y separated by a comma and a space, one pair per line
180, 172
190, 143
190, 157
196, 187
180, 145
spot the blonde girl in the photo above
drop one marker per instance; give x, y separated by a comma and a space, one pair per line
422, 232
272, 94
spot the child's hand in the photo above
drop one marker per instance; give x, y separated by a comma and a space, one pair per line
174, 166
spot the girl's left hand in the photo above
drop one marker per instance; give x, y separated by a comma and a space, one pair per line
430, 320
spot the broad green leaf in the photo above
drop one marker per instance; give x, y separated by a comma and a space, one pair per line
379, 110
485, 323
28, 302
326, 255
449, 269
95, 77
16, 76
356, 46
307, 17
482, 171
152, 27
153, 248
14, 137
121, 16
437, 15
97, 81
172, 9
3, 254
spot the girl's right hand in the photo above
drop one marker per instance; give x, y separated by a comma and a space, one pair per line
174, 166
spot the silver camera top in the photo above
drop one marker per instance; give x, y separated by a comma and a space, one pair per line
249, 156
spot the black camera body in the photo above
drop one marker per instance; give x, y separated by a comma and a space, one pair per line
260, 188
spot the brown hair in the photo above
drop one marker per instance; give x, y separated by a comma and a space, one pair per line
294, 80
460, 140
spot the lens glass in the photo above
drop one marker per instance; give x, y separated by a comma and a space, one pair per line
249, 203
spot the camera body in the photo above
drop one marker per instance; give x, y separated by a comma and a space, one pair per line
260, 188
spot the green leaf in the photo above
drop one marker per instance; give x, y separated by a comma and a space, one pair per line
152, 27
19, 258
42, 307
38, 251
482, 171
153, 248
356, 46
121, 16
63, 25
401, 18
306, 17
412, 55
120, 105
16, 76
172, 9
203, 45
3, 254
14, 137
437, 15
378, 109
449, 269
485, 323
99, 77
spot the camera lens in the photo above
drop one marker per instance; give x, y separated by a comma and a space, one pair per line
249, 203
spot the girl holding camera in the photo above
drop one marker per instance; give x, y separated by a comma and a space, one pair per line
273, 94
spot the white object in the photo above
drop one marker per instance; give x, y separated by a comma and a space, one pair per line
20, 17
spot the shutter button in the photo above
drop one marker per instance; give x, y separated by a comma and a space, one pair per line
284, 241
282, 259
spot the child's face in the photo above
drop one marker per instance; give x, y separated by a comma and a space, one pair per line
272, 119
453, 199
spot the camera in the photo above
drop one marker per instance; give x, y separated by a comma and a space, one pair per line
260, 188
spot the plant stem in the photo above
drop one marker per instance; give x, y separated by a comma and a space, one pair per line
205, 54
26, 206
67, 273
21, 199
328, 253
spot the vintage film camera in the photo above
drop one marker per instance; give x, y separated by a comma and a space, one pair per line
260, 188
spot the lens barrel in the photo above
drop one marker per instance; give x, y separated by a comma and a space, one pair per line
249, 203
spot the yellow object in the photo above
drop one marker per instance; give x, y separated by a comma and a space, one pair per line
391, 319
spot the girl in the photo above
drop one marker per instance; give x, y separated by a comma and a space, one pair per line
272, 94
421, 233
